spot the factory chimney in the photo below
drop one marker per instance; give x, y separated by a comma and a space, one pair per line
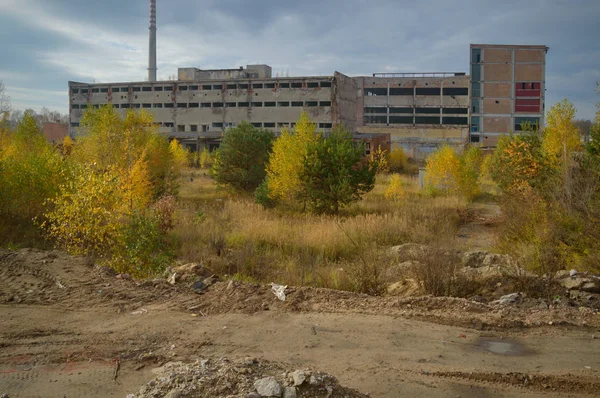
152, 53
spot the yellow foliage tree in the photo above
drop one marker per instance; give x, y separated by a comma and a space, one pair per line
287, 157
450, 173
397, 159
395, 190
67, 146
561, 135
379, 158
206, 159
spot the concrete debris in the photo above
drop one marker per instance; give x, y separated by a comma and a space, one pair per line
268, 387
279, 291
173, 278
299, 376
290, 392
513, 298
579, 281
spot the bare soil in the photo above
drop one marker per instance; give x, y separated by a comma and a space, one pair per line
71, 329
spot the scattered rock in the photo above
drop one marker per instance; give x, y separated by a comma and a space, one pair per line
299, 376
580, 282
409, 251
289, 392
268, 387
513, 298
173, 394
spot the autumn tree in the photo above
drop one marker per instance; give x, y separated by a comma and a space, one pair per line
395, 190
241, 160
397, 159
334, 173
286, 160
561, 135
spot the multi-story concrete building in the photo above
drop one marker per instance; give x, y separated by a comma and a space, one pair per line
507, 89
417, 111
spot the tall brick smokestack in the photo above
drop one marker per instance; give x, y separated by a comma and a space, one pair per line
152, 53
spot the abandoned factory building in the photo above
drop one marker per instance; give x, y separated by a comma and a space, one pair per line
416, 111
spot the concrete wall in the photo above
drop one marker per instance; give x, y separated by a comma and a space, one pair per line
344, 99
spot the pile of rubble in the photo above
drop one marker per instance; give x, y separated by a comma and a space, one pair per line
248, 378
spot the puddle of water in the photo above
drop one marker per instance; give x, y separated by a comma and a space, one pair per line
503, 347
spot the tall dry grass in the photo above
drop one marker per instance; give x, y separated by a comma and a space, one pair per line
238, 237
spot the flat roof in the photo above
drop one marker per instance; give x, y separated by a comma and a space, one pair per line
212, 81
523, 46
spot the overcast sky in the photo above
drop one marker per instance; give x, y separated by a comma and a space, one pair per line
46, 43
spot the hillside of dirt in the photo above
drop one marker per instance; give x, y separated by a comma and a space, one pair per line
70, 328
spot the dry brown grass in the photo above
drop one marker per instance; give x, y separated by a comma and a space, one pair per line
238, 237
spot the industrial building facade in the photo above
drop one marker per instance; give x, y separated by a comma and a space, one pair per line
418, 111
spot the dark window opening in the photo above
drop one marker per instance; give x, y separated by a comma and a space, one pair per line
75, 106
256, 124
146, 89
127, 105
270, 103
428, 91
296, 85
401, 110
84, 91
137, 105
181, 128
459, 111
401, 120
231, 104
325, 84
74, 124
95, 90
427, 120
169, 105
217, 104
455, 120
401, 91
158, 89
205, 105
312, 85
312, 103
157, 105
456, 91
243, 86
146, 105
325, 103
194, 88
269, 124
269, 85
435, 111
375, 91
206, 87
183, 88
474, 138
243, 104
75, 91
373, 109
325, 125
193, 127
284, 85
168, 88
297, 103
257, 104
104, 90
257, 85
375, 119
182, 105
283, 103
217, 87
217, 125
168, 124
194, 105
519, 121
136, 89
231, 87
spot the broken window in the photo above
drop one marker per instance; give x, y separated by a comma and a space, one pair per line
476, 106
297, 103
428, 91
257, 124
205, 105
374, 109
455, 120
146, 88
243, 104
182, 105
217, 104
325, 84
325, 103
193, 127
475, 124
312, 103
312, 84
427, 120
401, 120
283, 103
284, 85
474, 138
194, 105
168, 124
325, 125
217, 87
157, 105
402, 91
401, 110
230, 104
519, 121
158, 88
270, 103
206, 87
257, 104
269, 124
136, 89
231, 87
456, 91
243, 86
459, 111
427, 110
257, 85
375, 91
297, 85
375, 119
169, 105
146, 105
269, 85
181, 128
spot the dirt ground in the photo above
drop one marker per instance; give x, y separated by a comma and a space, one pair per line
66, 324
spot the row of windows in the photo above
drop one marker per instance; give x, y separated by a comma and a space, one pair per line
266, 104
374, 91
416, 120
181, 128
519, 121
417, 110
204, 87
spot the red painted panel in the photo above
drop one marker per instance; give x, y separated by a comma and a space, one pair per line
527, 93
527, 105
532, 101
